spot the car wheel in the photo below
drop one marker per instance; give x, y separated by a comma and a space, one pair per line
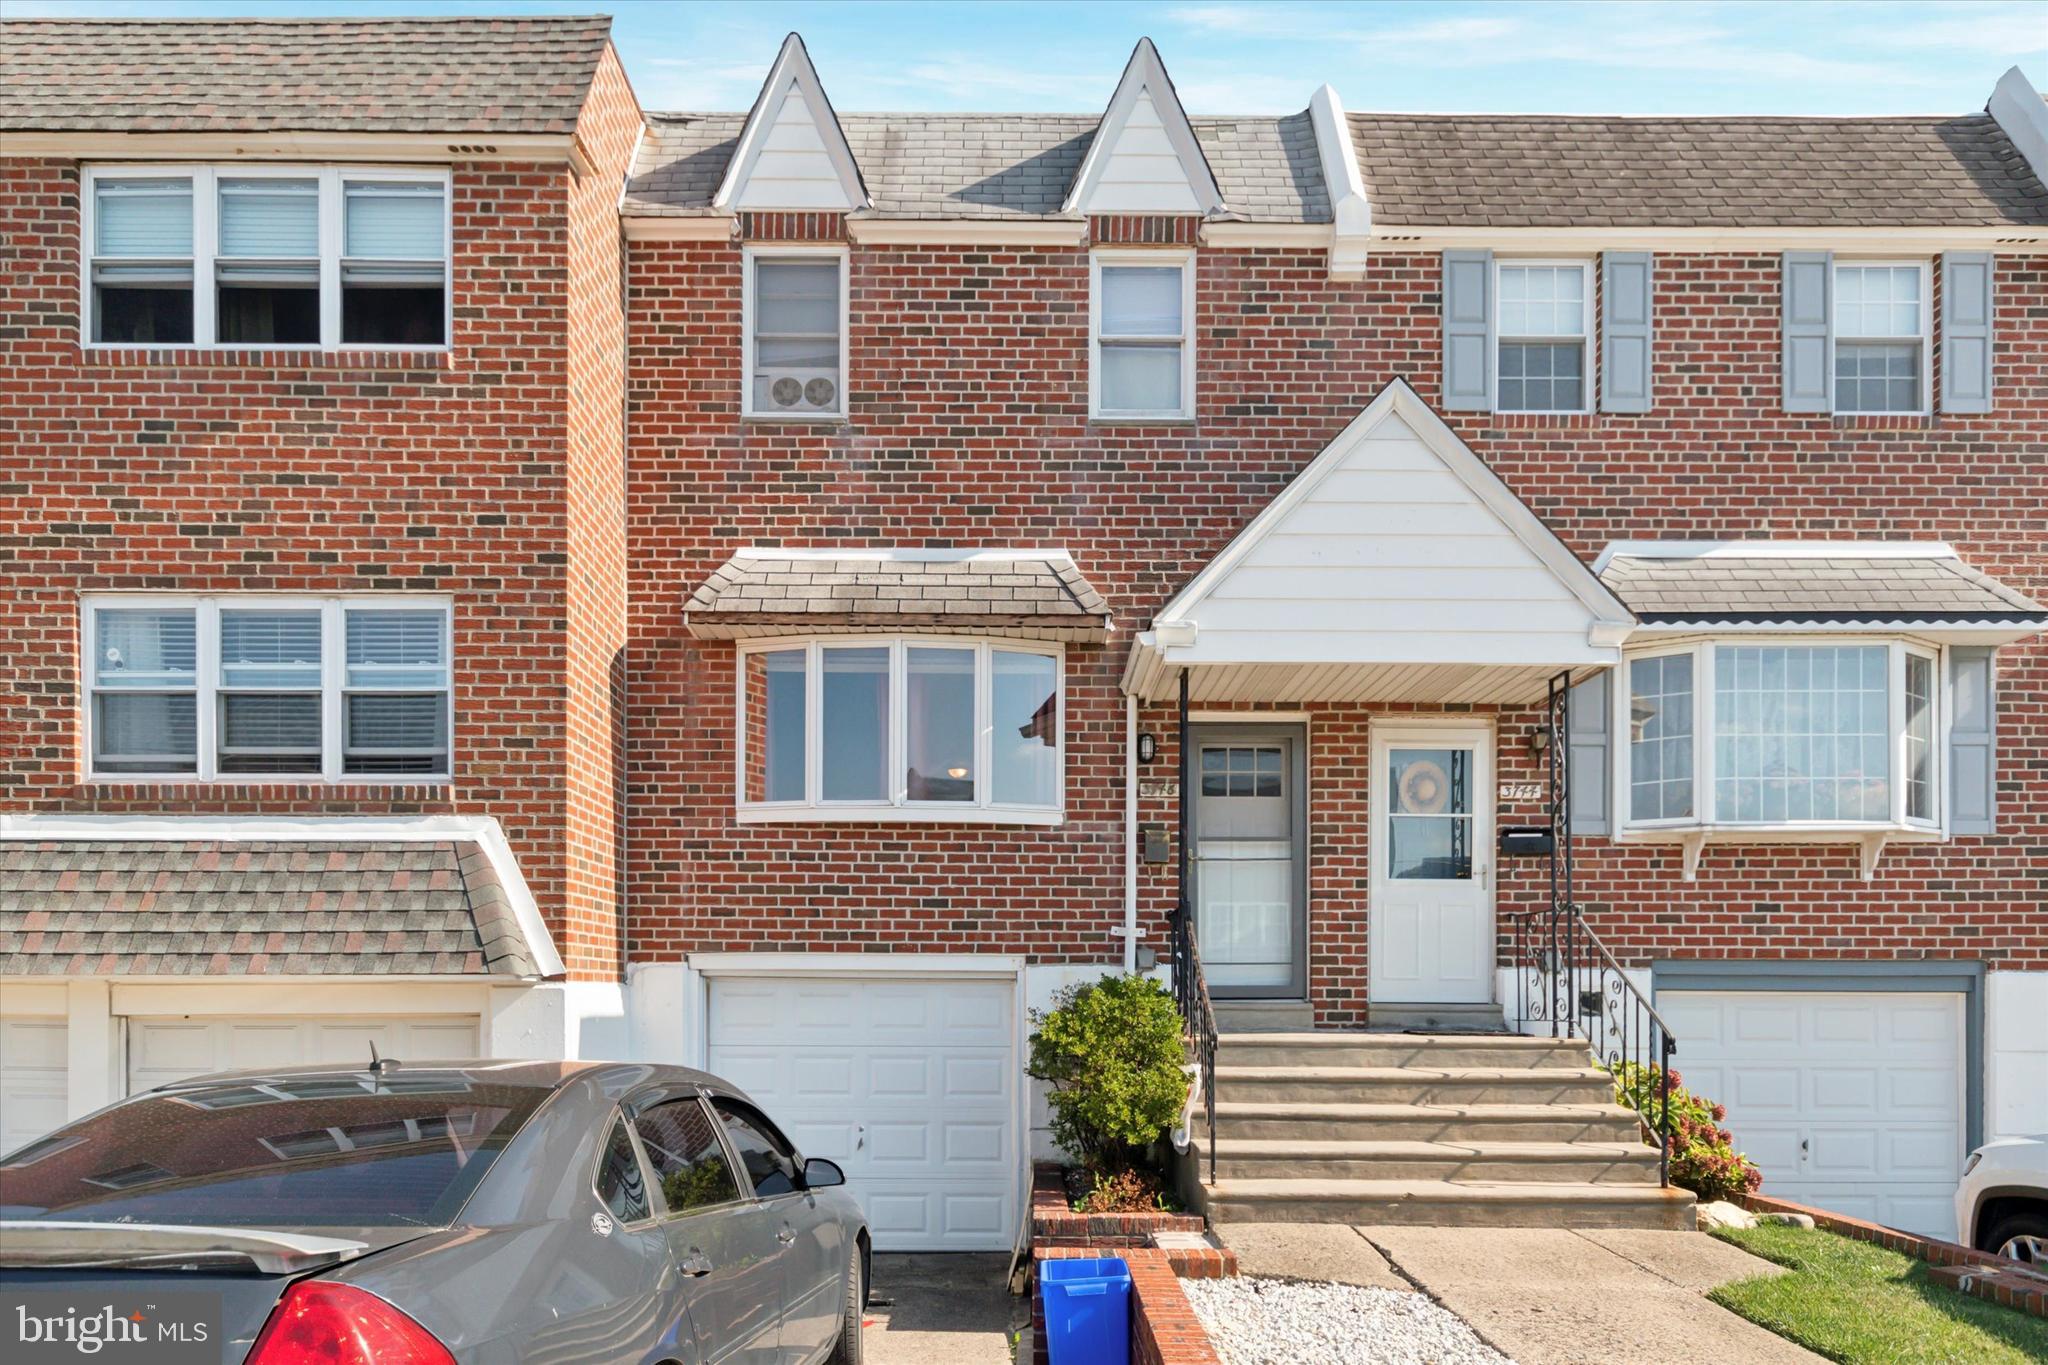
2022, 1237
847, 1350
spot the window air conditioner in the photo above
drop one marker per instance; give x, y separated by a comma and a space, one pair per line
803, 390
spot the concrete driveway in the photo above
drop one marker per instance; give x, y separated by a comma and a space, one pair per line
943, 1309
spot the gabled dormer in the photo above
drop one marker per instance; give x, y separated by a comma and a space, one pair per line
1145, 158
792, 153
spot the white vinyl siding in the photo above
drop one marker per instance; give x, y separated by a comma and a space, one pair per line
1543, 330
1882, 312
248, 687
1141, 348
794, 311
260, 256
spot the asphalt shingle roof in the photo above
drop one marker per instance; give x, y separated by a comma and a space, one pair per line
119, 907
1564, 171
452, 75
1799, 588
990, 166
753, 593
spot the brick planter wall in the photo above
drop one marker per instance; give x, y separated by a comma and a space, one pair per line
1054, 1224
1164, 1328
1973, 1272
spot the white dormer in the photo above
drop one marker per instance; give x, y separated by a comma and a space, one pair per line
792, 153
1145, 158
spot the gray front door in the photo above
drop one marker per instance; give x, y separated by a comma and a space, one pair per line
1251, 882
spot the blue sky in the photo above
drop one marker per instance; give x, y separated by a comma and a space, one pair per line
1245, 56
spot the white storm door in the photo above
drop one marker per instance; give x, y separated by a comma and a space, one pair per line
1431, 921
171, 1049
1248, 882
1851, 1101
907, 1083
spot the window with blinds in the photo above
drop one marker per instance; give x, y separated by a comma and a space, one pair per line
268, 256
333, 689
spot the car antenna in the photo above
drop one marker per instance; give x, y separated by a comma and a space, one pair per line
379, 1065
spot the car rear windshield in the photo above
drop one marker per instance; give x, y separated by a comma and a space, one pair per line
329, 1150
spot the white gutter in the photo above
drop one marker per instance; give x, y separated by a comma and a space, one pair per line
1130, 835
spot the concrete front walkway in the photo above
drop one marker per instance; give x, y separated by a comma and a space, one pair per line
943, 1309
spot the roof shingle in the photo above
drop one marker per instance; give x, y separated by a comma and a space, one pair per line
756, 593
1736, 588
451, 75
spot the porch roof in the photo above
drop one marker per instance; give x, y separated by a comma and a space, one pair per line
1396, 567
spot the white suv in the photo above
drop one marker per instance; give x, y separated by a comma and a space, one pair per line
2002, 1202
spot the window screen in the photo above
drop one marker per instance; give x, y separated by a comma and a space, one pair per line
796, 363
270, 692
145, 691
1141, 335
395, 700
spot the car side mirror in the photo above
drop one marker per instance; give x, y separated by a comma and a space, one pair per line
820, 1174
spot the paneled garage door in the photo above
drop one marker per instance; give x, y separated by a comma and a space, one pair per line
907, 1084
171, 1049
1851, 1101
34, 1078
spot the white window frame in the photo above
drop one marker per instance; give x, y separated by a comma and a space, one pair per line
1705, 817
206, 243
758, 251
1183, 258
206, 609
1589, 378
1925, 340
897, 808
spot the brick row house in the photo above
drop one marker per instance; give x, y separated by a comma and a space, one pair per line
491, 567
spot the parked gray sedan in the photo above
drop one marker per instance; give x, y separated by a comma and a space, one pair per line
425, 1213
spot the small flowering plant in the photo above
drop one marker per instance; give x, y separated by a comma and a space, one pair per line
1703, 1155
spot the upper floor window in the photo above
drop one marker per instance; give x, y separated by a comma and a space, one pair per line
865, 727
795, 311
1881, 337
1543, 335
264, 255
339, 689
1141, 343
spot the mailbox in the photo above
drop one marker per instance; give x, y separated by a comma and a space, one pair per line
1526, 841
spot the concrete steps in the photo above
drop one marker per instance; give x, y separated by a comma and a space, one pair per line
1414, 1084
1445, 1203
1425, 1122
1495, 1162
1399, 1049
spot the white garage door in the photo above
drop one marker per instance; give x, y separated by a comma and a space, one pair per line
906, 1084
1851, 1101
33, 1079
161, 1050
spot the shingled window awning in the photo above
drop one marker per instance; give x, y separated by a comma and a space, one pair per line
764, 593
144, 908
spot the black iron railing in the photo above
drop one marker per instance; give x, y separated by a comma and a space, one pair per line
1198, 1019
1567, 980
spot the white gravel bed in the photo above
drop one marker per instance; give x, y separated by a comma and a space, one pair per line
1254, 1321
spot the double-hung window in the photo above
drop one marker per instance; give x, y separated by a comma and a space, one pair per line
1141, 343
1881, 342
1543, 326
795, 314
942, 728
266, 256
335, 689
1759, 734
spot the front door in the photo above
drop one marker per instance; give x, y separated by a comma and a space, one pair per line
1250, 882
1431, 807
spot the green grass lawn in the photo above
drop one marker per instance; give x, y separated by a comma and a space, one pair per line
1861, 1304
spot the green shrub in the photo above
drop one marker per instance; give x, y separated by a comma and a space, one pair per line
1111, 1051
1703, 1155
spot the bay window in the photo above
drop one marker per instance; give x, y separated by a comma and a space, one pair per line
1781, 736
332, 689
941, 728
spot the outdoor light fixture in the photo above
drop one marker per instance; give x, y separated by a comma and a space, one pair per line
1539, 741
1148, 748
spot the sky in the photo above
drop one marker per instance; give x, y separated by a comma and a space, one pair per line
1268, 56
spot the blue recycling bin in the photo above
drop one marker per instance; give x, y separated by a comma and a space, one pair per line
1087, 1311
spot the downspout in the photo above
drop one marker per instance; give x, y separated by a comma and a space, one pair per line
1130, 834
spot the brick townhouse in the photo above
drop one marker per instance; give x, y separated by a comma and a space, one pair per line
984, 483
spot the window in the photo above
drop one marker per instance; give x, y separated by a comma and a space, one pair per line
770, 1160
1881, 313
1800, 735
267, 256
795, 310
335, 689
689, 1161
1543, 355
913, 729
1142, 353
619, 1182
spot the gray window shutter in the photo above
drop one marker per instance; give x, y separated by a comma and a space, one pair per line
1966, 331
1809, 344
1972, 731
1586, 715
1468, 331
1625, 331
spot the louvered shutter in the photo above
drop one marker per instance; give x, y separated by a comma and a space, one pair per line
1468, 331
1972, 740
1808, 342
1625, 331
1966, 314
1586, 715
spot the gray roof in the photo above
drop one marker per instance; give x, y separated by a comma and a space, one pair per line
1566, 171
121, 907
1784, 588
758, 593
988, 166
466, 75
